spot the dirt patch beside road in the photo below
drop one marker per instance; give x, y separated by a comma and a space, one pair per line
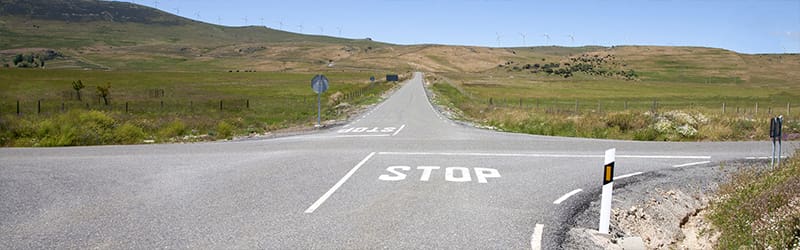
665, 209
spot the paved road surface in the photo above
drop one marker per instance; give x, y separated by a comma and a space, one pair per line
401, 176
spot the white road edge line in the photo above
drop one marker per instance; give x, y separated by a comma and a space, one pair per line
337, 185
398, 130
627, 175
691, 164
566, 196
546, 155
536, 238
762, 157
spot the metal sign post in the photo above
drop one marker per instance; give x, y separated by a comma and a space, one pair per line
608, 186
319, 84
776, 133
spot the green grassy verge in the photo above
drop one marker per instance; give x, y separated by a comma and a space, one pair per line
166, 106
617, 109
760, 209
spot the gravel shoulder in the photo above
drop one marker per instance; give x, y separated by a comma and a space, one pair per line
661, 209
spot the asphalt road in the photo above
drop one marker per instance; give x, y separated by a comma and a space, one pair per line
401, 176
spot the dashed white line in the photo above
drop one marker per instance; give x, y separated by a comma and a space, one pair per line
566, 196
398, 130
338, 184
545, 155
691, 164
627, 175
536, 238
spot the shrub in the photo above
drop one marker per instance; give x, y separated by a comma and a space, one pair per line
224, 130
647, 134
129, 133
91, 128
627, 121
173, 129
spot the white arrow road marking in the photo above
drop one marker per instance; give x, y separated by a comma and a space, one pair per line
691, 164
566, 196
627, 175
338, 184
536, 238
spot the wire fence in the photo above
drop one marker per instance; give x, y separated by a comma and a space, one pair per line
599, 106
157, 103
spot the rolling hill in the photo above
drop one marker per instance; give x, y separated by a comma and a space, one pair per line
89, 34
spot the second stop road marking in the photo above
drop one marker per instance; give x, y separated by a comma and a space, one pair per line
370, 131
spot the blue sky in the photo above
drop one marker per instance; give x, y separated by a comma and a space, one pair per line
765, 26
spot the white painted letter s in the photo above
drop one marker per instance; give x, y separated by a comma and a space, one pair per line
398, 176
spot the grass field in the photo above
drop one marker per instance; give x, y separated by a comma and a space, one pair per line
252, 102
681, 94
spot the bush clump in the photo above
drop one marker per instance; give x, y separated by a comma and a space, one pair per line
173, 129
224, 130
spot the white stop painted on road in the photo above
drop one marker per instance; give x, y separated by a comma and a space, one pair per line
451, 174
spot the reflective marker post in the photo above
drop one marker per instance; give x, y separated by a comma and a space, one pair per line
608, 185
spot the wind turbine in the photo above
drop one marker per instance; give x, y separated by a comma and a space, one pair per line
300, 27
497, 34
262, 21
155, 3
178, 11
197, 14
340, 30
571, 38
219, 20
547, 36
280, 23
523, 38
321, 30
245, 20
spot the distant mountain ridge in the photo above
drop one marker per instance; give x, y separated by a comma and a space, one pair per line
87, 10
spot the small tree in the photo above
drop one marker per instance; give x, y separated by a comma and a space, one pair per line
77, 86
103, 92
17, 59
